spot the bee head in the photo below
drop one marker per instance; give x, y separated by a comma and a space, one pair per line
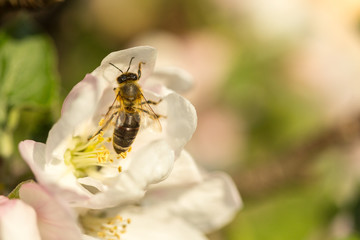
128, 76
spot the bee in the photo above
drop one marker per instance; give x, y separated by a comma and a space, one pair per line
128, 110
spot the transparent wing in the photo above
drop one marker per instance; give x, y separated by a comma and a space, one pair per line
109, 117
149, 117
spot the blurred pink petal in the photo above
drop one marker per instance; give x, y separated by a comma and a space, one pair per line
17, 220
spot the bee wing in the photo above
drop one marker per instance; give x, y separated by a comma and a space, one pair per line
149, 115
109, 116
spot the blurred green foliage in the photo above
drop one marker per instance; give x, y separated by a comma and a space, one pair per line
277, 118
29, 88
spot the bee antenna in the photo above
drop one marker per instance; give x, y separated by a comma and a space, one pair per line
116, 67
130, 64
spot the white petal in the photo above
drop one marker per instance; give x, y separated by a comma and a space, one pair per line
57, 178
184, 173
152, 164
150, 225
181, 121
148, 166
87, 237
17, 221
173, 78
121, 59
210, 205
77, 112
34, 155
54, 218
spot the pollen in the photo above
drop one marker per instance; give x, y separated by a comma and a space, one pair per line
105, 228
101, 122
103, 155
87, 156
123, 154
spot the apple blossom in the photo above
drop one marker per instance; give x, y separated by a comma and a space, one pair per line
88, 173
36, 215
187, 205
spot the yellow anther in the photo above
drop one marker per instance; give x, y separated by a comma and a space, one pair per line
101, 122
123, 154
106, 228
119, 169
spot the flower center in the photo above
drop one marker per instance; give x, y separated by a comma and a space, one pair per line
105, 228
89, 156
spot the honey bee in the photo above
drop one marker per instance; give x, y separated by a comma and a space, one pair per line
128, 110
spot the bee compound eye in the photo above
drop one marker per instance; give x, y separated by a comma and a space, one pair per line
121, 79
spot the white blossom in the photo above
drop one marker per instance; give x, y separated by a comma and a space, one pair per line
88, 173
187, 205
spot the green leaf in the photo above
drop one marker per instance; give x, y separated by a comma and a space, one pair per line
14, 194
27, 71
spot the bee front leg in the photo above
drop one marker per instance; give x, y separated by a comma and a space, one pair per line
151, 102
139, 69
103, 125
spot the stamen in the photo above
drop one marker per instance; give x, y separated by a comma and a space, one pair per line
101, 122
105, 228
87, 156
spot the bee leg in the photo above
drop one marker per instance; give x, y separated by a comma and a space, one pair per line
103, 127
139, 69
153, 115
113, 107
151, 102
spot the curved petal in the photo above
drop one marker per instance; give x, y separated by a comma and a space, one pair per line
153, 164
56, 178
54, 218
211, 204
78, 109
154, 225
87, 237
34, 155
173, 78
121, 59
184, 173
17, 221
149, 165
182, 120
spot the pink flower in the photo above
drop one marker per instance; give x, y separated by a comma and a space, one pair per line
36, 215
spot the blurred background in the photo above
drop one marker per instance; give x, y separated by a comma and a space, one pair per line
276, 89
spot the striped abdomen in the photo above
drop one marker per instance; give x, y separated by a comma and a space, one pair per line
126, 129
